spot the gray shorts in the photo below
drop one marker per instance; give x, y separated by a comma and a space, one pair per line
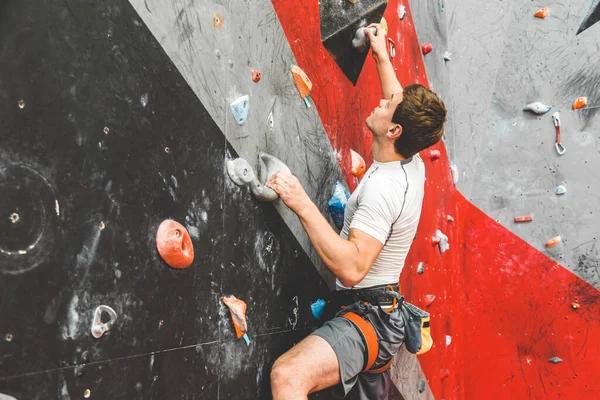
349, 347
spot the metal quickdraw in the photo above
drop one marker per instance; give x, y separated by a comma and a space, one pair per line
560, 149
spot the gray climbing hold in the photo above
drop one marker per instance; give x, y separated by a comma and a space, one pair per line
361, 41
241, 173
422, 386
537, 108
239, 109
447, 56
560, 190
555, 360
421, 268
448, 340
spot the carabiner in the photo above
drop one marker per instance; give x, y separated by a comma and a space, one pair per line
560, 149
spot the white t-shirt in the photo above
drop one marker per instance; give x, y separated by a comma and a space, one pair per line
387, 205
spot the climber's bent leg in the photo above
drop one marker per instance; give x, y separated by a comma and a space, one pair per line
309, 366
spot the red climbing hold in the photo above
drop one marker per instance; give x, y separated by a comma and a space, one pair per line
435, 240
444, 373
429, 298
524, 218
434, 154
426, 48
174, 244
358, 164
256, 75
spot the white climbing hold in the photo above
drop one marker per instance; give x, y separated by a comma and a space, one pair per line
239, 109
560, 190
448, 340
401, 12
447, 56
443, 241
537, 108
454, 170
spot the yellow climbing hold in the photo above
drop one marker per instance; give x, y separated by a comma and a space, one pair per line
384, 26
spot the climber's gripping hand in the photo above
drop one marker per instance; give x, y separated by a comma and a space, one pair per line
290, 190
378, 42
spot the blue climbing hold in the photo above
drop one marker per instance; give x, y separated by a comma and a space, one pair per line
239, 109
337, 204
317, 308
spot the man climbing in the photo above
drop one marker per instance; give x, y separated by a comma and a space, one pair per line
355, 347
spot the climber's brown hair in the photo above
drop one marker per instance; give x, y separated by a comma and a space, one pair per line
422, 115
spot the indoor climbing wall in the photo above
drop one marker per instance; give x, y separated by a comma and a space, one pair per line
117, 116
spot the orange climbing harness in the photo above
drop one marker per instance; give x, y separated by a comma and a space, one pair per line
370, 338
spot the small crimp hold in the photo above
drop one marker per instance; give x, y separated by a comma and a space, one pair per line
422, 385
554, 241
575, 305
450, 218
537, 108
580, 102
525, 218
256, 75
434, 155
554, 360
444, 373
560, 190
542, 12
421, 268
426, 48
447, 56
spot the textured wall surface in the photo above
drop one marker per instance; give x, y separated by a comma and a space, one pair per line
504, 58
115, 116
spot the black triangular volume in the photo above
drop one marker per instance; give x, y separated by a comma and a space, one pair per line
339, 22
592, 16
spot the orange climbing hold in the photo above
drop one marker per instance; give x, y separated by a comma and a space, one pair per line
303, 84
174, 244
580, 102
358, 164
237, 309
542, 12
553, 242
256, 75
